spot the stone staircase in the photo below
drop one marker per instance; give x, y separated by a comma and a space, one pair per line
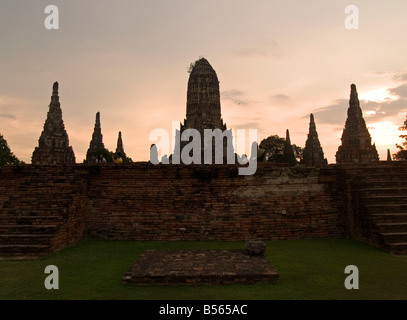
382, 207
35, 211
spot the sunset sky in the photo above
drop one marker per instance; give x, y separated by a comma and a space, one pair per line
277, 62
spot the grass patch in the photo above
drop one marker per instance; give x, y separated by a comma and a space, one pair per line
309, 269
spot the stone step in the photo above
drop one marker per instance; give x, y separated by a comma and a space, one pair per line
385, 199
392, 226
394, 237
386, 208
28, 229
22, 239
381, 183
23, 249
399, 217
399, 248
31, 219
382, 191
20, 257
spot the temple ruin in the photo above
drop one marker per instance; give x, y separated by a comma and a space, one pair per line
96, 144
203, 106
120, 148
313, 153
53, 145
44, 209
356, 140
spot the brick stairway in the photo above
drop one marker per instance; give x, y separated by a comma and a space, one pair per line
382, 206
35, 215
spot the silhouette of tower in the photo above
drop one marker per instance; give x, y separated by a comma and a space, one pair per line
203, 107
288, 153
96, 144
120, 148
389, 159
356, 141
313, 153
53, 144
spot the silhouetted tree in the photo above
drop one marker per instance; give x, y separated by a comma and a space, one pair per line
104, 152
6, 156
402, 154
274, 148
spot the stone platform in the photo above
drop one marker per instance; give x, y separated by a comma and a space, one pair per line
199, 267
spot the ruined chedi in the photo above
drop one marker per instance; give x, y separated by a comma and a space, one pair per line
288, 152
356, 141
313, 153
203, 106
53, 144
120, 148
96, 144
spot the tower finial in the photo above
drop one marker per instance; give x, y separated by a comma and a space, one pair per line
388, 155
354, 99
287, 136
120, 148
312, 123
55, 88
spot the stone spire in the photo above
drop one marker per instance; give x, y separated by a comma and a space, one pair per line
203, 106
389, 159
120, 148
356, 141
313, 153
53, 145
96, 144
288, 153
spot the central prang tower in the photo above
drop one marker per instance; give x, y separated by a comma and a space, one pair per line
203, 99
203, 105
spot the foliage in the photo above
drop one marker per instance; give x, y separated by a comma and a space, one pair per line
109, 155
6, 156
402, 154
275, 146
104, 152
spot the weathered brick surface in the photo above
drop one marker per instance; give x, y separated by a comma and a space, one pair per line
144, 202
195, 267
41, 208
168, 202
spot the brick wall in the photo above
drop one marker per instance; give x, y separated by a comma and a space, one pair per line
146, 202
168, 202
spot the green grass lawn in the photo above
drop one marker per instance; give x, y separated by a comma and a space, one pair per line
308, 269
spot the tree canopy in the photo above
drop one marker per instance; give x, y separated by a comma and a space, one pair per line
274, 147
6, 156
402, 154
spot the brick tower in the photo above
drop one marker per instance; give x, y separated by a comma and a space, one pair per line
120, 148
203, 107
356, 140
313, 153
96, 144
288, 152
53, 144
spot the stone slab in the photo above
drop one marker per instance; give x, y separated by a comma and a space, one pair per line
199, 267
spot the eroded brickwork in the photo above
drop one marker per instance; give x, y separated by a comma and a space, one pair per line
46, 208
